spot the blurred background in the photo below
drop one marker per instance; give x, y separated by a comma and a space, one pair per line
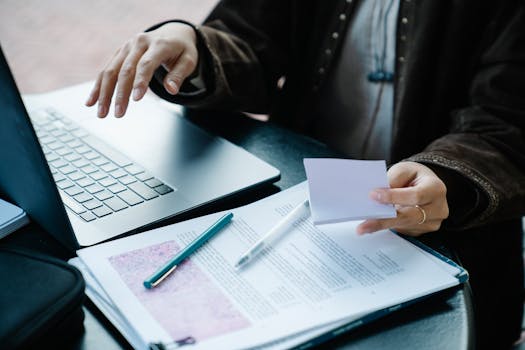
56, 43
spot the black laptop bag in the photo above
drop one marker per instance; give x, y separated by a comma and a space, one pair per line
40, 301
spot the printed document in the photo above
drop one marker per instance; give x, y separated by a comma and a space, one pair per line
312, 280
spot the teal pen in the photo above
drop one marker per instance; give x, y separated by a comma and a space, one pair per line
171, 265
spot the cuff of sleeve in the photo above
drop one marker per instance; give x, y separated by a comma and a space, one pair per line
468, 203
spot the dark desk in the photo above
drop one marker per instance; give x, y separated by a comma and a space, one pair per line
439, 322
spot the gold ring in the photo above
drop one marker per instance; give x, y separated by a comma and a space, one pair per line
423, 212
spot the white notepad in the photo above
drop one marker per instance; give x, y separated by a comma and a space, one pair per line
340, 189
11, 218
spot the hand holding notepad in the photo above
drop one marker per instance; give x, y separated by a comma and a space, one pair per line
340, 189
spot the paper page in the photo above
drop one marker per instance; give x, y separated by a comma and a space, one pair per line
340, 189
311, 278
98, 296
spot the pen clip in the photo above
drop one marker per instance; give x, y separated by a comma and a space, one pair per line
163, 277
173, 345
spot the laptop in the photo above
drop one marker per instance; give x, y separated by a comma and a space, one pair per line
87, 180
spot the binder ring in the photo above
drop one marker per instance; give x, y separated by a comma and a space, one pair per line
423, 213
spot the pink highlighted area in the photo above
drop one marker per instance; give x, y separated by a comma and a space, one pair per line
187, 302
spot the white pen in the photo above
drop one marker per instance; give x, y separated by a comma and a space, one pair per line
276, 232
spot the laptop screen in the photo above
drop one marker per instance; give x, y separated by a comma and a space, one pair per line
25, 178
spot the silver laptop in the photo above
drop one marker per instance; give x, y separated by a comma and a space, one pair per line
87, 180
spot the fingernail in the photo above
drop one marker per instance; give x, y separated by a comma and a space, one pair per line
173, 85
376, 195
137, 93
119, 111
101, 111
361, 232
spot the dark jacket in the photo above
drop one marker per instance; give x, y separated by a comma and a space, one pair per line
459, 108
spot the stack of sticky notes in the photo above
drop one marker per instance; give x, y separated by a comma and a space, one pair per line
11, 218
340, 189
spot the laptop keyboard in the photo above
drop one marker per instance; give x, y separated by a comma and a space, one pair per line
93, 179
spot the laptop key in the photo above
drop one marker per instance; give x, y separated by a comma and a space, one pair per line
81, 163
83, 149
117, 188
94, 188
163, 189
71, 127
72, 157
51, 157
144, 176
107, 151
76, 175
109, 167
80, 133
71, 204
91, 155
143, 190
58, 177
126, 180
103, 195
66, 138
134, 169
63, 151
55, 145
88, 169
68, 169
83, 197
73, 191
101, 211
46, 139
85, 182
153, 182
58, 132
88, 216
118, 173
65, 184
92, 204
115, 203
130, 197
58, 163
100, 161
98, 175
75, 143
107, 181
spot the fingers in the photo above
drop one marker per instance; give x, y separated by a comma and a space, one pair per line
184, 67
106, 82
130, 70
420, 199
409, 221
148, 63
126, 77
93, 95
413, 184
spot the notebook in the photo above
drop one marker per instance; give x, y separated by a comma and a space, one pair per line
11, 218
313, 284
87, 180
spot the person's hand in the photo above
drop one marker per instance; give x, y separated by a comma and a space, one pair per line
172, 45
420, 199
